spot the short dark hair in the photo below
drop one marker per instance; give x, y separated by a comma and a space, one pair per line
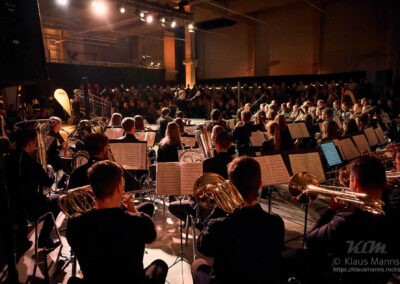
223, 139
23, 136
95, 143
245, 173
246, 116
364, 118
369, 172
215, 114
165, 111
128, 123
328, 112
179, 114
104, 177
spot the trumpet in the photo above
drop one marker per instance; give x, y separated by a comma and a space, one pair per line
305, 187
211, 189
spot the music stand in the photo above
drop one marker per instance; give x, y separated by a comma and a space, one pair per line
181, 257
304, 235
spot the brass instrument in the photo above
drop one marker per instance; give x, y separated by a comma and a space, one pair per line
392, 176
204, 141
42, 127
211, 189
305, 187
77, 201
79, 158
80, 200
344, 176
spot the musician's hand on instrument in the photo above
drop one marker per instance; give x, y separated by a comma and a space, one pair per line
335, 204
198, 93
130, 205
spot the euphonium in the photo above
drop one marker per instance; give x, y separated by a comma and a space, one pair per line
211, 189
305, 187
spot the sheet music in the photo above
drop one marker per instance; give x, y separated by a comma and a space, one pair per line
148, 136
338, 122
308, 162
361, 143
131, 156
381, 136
114, 133
273, 170
154, 127
257, 138
350, 151
230, 123
189, 129
337, 144
168, 178
190, 172
189, 141
298, 130
371, 136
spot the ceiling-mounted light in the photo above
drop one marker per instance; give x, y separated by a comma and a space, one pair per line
191, 27
122, 10
149, 19
141, 14
62, 2
162, 20
99, 7
173, 24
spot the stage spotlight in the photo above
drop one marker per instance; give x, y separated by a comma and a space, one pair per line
162, 20
122, 10
141, 15
173, 24
191, 28
99, 7
62, 2
149, 19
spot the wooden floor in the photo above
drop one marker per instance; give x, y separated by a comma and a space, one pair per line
167, 244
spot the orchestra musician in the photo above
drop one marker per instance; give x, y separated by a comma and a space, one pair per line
97, 146
26, 179
109, 242
115, 120
163, 120
170, 144
246, 245
54, 143
182, 103
241, 134
128, 125
331, 236
216, 119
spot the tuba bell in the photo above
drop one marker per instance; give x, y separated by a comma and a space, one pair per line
211, 189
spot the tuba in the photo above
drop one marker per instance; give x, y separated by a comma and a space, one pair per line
305, 187
77, 201
211, 189
42, 127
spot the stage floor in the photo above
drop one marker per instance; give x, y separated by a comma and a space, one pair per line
167, 244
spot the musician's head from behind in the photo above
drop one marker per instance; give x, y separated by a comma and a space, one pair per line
107, 182
327, 114
247, 107
223, 141
181, 124
25, 140
216, 115
179, 114
246, 116
56, 127
172, 135
128, 125
139, 122
165, 112
116, 119
367, 175
245, 174
97, 146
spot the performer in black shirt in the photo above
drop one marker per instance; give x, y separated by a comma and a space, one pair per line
182, 103
170, 144
25, 179
246, 245
216, 119
54, 143
108, 242
163, 121
241, 134
97, 146
128, 124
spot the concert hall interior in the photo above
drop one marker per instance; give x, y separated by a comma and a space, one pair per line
200, 141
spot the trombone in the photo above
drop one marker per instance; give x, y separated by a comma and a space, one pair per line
305, 187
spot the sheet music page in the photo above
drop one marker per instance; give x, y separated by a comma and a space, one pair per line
257, 138
114, 133
303, 128
361, 143
350, 151
131, 156
230, 123
189, 141
168, 178
148, 136
154, 127
277, 168
337, 144
190, 172
381, 136
308, 162
189, 129
294, 130
338, 122
371, 136
266, 176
